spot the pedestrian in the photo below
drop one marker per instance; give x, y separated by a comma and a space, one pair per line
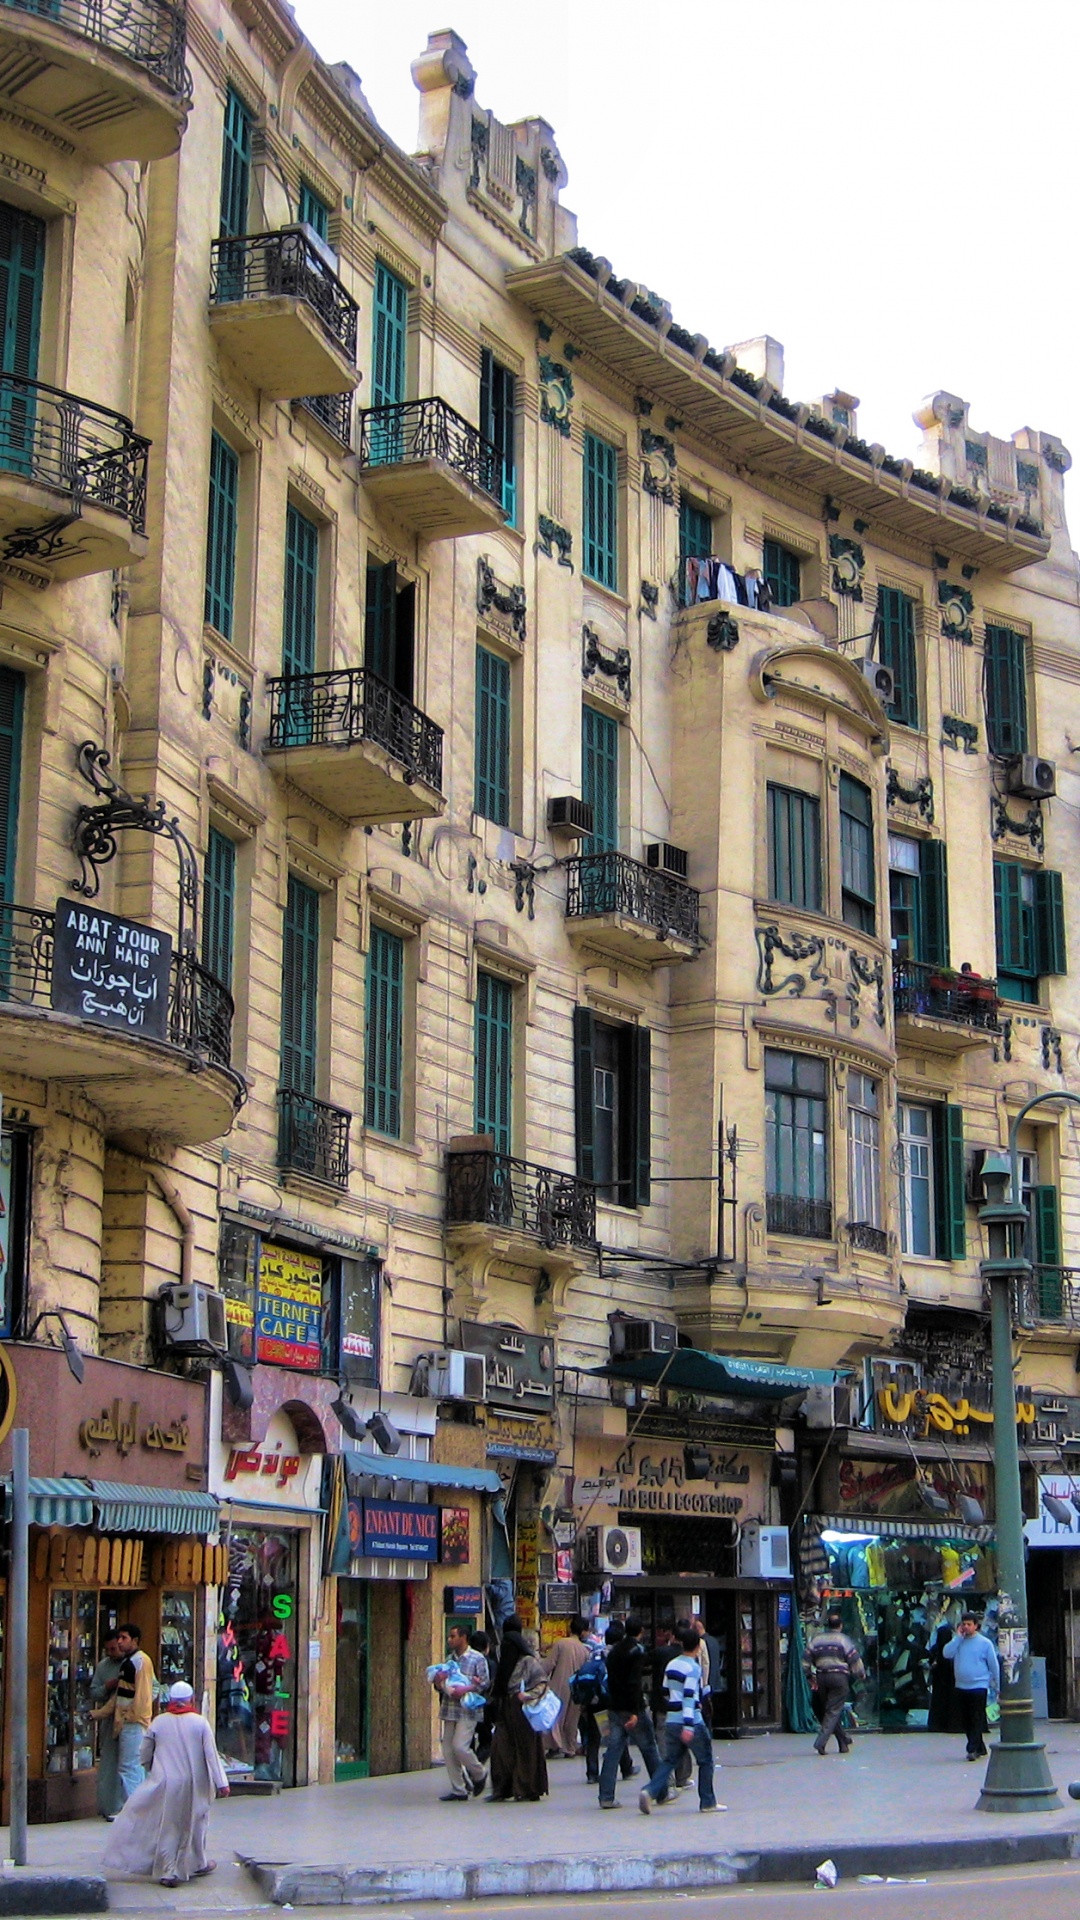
130, 1707
944, 1714
102, 1687
561, 1664
161, 1829
518, 1766
597, 1703
629, 1718
832, 1661
458, 1721
684, 1728
712, 1672
976, 1674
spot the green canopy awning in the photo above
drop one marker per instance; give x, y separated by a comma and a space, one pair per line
725, 1376
116, 1507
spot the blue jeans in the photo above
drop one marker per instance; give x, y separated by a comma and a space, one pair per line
128, 1765
619, 1737
701, 1748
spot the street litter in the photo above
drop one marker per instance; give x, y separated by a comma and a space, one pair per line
827, 1874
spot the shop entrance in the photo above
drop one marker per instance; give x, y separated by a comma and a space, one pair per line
743, 1620
256, 1656
351, 1719
1048, 1608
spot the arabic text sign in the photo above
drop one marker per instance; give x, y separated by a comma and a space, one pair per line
520, 1366
400, 1530
114, 971
288, 1312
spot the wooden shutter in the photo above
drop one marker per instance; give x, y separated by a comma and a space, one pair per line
794, 827
385, 1032
492, 753
1005, 691
301, 611
600, 523
640, 1050
584, 1045
783, 573
22, 272
235, 167
1050, 954
497, 403
313, 211
388, 344
12, 690
1046, 1245
951, 1223
896, 650
300, 989
494, 1069
932, 919
219, 906
221, 525
600, 777
1011, 922
380, 617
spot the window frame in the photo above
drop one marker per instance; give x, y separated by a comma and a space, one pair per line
299, 1065
222, 537
1005, 691
1029, 929
389, 342
493, 740
781, 842
897, 649
782, 568
858, 907
924, 1144
236, 156
631, 1184
808, 1176
219, 905
696, 538
498, 424
865, 1190
600, 557
494, 1042
308, 201
301, 590
239, 1256
385, 1017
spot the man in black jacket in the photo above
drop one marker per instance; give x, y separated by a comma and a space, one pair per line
629, 1718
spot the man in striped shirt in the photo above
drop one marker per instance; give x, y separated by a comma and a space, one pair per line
684, 1727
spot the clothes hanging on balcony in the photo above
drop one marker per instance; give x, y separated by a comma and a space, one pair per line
713, 579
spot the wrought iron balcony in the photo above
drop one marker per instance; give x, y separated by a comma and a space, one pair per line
334, 411
555, 1209
316, 717
1048, 1296
867, 1238
804, 1219
639, 912
150, 33
313, 1138
937, 993
283, 314
72, 481
111, 74
432, 468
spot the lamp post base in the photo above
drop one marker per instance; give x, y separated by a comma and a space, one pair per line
1018, 1781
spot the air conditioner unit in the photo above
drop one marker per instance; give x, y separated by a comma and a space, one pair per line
1032, 778
764, 1552
567, 814
667, 859
610, 1550
643, 1336
827, 1407
192, 1320
457, 1376
316, 242
880, 679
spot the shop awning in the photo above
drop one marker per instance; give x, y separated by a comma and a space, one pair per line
122, 1509
889, 1527
55, 1503
725, 1376
423, 1473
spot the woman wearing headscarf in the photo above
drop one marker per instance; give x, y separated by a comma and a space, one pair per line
518, 1767
161, 1829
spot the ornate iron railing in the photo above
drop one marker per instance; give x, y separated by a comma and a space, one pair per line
259, 266
149, 33
963, 1000
429, 430
342, 708
74, 447
867, 1238
789, 1213
1048, 1296
333, 411
598, 883
313, 1138
557, 1209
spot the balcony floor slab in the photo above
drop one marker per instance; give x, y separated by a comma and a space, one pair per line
619, 938
80, 92
279, 343
428, 496
43, 533
359, 781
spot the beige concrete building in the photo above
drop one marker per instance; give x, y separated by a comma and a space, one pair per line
508, 820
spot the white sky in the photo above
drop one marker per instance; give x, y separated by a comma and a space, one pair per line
886, 186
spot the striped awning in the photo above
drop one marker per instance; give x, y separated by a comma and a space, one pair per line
122, 1509
889, 1528
56, 1503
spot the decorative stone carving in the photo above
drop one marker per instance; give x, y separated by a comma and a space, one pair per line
1051, 1049
722, 633
555, 542
613, 662
794, 946
650, 600
848, 566
921, 795
865, 972
954, 731
526, 185
1030, 828
659, 466
556, 393
957, 607
493, 594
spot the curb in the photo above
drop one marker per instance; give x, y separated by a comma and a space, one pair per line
355, 1886
38, 1890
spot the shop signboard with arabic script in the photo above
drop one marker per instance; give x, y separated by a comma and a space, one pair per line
908, 1400
288, 1312
520, 1366
112, 971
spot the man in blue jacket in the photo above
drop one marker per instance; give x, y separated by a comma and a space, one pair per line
977, 1671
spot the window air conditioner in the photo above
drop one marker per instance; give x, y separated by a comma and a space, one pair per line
610, 1550
880, 680
567, 814
1032, 778
457, 1376
764, 1552
192, 1320
643, 1336
317, 244
668, 859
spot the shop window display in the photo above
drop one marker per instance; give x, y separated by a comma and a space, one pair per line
256, 1656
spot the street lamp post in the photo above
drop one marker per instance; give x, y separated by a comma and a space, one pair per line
1017, 1777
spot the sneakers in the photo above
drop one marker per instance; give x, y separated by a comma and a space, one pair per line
645, 1801
608, 1806
717, 1807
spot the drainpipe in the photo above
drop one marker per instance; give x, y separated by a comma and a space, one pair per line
170, 1193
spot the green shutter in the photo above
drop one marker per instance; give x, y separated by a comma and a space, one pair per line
896, 650
221, 526
584, 1045
641, 1097
219, 906
22, 272
379, 620
1050, 954
313, 212
600, 539
932, 926
783, 573
385, 1032
12, 688
497, 419
949, 1183
235, 167
1005, 692
695, 541
388, 344
600, 777
494, 1069
1046, 1244
491, 791
300, 989
301, 611
1011, 921
794, 829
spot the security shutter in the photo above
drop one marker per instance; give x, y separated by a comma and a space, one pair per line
951, 1224
641, 1094
1050, 956
235, 167
491, 797
600, 518
584, 1043
221, 524
300, 989
1005, 691
1046, 1236
600, 777
494, 1059
896, 650
219, 906
385, 1032
932, 934
301, 611
12, 689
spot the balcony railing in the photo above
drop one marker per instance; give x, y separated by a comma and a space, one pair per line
200, 1007
149, 33
601, 883
334, 411
429, 430
807, 1219
343, 708
313, 1138
262, 266
557, 1209
74, 447
960, 999
1048, 1296
867, 1238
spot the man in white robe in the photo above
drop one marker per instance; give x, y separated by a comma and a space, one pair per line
161, 1829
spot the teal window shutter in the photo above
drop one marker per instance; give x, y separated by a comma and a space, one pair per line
1005, 692
783, 573
384, 1051
300, 989
600, 777
858, 888
380, 620
584, 1049
497, 423
494, 1059
933, 905
951, 1222
896, 650
1046, 1236
695, 541
301, 611
491, 794
313, 211
641, 1093
601, 512
388, 345
794, 829
1050, 956
1012, 920
219, 906
235, 167
12, 690
22, 273
221, 528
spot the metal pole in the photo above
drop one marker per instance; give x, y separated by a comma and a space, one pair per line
18, 1624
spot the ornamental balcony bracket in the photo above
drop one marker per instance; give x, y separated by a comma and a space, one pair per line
722, 633
96, 828
1029, 828
613, 662
921, 795
507, 600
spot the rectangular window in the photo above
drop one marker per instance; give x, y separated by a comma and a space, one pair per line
918, 900
1044, 1242
796, 1145
219, 906
388, 344
22, 277
336, 1303
695, 542
916, 1169
783, 573
384, 1049
235, 167
600, 521
858, 891
313, 211
221, 528
390, 627
1029, 919
896, 650
494, 1059
300, 989
301, 610
498, 389
613, 1105
864, 1150
600, 777
1005, 692
12, 690
794, 826
491, 786
950, 1217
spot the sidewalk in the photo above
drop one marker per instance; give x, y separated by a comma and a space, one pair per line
391, 1839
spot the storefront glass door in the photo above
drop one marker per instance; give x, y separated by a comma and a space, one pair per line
351, 1760
256, 1656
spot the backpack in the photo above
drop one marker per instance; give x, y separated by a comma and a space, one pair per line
588, 1686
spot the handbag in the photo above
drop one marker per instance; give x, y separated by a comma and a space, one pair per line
542, 1713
